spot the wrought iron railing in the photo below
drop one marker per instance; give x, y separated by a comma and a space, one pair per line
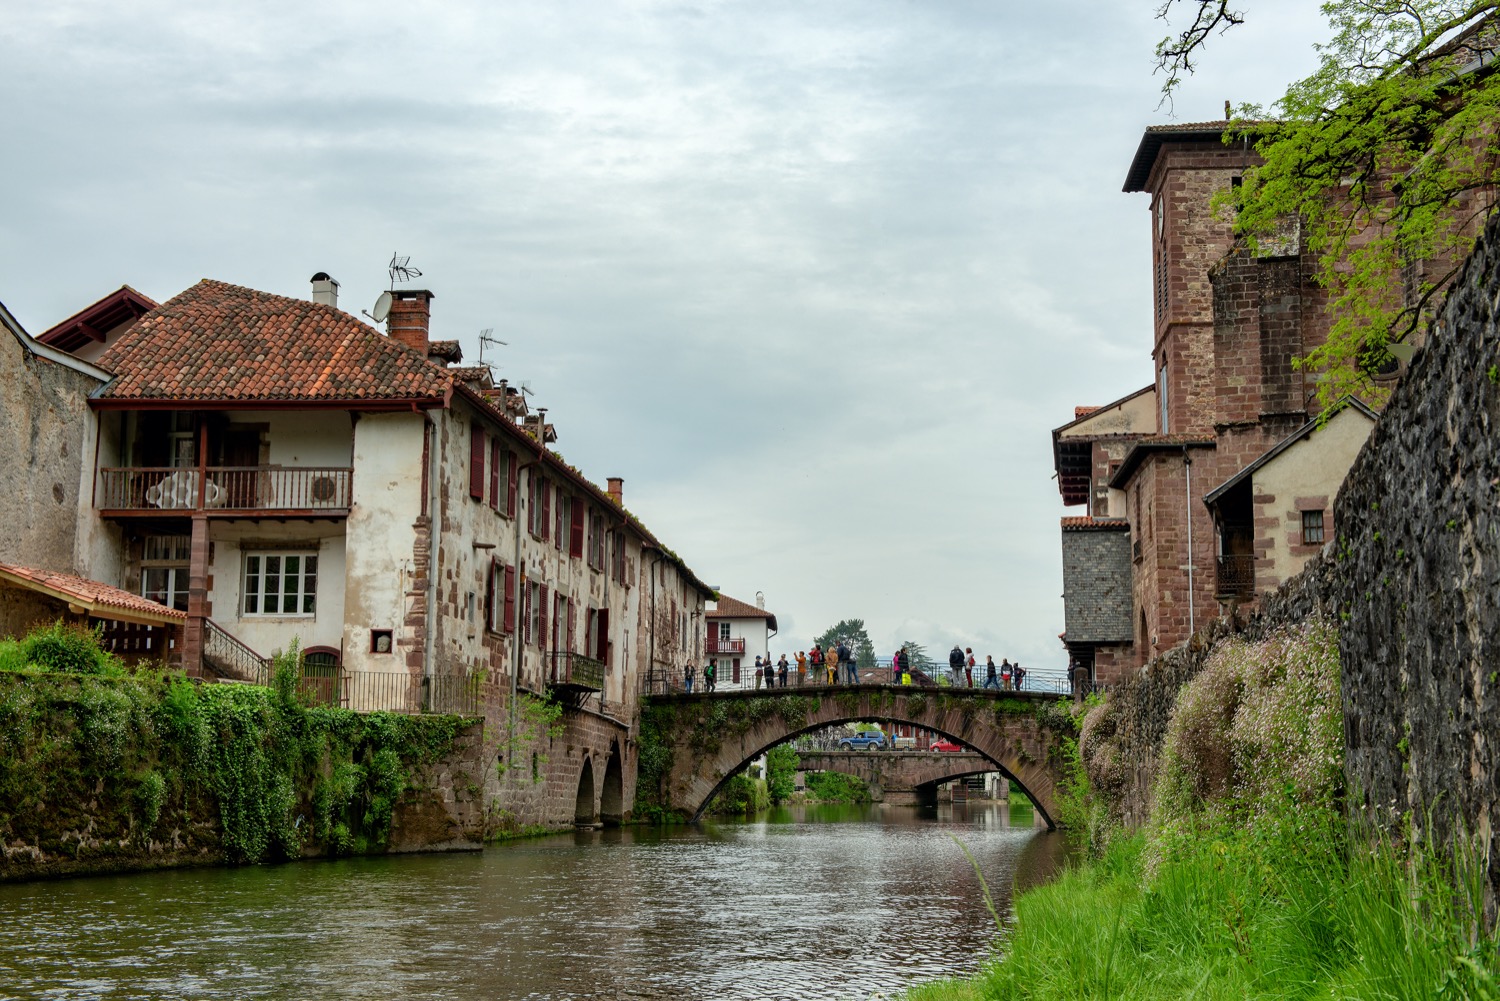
567, 668
404, 692
722, 646
1236, 576
233, 659
225, 488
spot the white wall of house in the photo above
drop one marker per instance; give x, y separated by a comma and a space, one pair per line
1306, 476
379, 535
99, 545
232, 541
757, 641
304, 438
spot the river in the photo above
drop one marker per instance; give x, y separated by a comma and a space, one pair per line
806, 902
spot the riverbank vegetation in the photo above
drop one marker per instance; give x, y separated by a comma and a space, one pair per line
1249, 881
101, 767
836, 787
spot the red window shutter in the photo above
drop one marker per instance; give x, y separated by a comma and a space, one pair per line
510, 599
513, 476
541, 639
489, 596
575, 538
476, 462
495, 473
568, 610
546, 525
601, 634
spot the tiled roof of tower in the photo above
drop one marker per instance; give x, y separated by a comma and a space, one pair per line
221, 342
1155, 135
733, 608
1084, 411
96, 597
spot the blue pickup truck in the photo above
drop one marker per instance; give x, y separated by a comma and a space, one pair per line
869, 740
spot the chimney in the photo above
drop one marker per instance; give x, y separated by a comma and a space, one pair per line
408, 319
325, 290
616, 490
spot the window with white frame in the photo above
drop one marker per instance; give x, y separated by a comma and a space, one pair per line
164, 569
280, 583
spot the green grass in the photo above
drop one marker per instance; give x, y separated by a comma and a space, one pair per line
1279, 909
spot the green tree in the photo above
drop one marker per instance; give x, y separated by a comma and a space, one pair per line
917, 653
781, 767
1385, 157
852, 632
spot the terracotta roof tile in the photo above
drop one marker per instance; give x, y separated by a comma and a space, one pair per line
1079, 412
449, 351
1087, 523
97, 597
217, 341
733, 608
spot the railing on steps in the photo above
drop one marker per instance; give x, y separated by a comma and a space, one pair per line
232, 659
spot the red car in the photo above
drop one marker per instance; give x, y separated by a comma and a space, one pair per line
944, 745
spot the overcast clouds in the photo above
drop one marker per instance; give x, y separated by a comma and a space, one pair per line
815, 278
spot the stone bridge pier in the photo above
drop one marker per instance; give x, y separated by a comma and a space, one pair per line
711, 737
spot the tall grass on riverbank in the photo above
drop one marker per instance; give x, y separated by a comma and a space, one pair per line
1248, 882
1296, 910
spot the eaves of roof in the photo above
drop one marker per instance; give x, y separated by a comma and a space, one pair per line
1154, 444
1156, 136
47, 351
1088, 523
1304, 431
95, 597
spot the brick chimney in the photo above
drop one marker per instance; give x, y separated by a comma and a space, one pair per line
325, 290
616, 490
409, 317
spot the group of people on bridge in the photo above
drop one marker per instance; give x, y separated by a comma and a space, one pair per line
839, 665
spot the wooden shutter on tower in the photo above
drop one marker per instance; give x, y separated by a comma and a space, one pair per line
512, 481
575, 537
541, 626
510, 600
601, 636
495, 473
476, 462
489, 596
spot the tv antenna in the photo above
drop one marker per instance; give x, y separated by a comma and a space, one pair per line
401, 270
526, 387
486, 338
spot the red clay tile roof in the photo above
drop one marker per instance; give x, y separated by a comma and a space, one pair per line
102, 600
1079, 412
449, 351
473, 374
217, 341
92, 322
1090, 524
733, 608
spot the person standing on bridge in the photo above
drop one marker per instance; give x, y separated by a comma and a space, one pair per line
816, 660
902, 663
833, 665
955, 665
781, 670
969, 665
1005, 673
759, 669
1018, 673
687, 678
991, 674
801, 668
846, 655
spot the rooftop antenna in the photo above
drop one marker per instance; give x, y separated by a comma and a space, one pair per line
401, 270
526, 387
486, 338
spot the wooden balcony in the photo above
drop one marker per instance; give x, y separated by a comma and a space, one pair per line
734, 647
237, 491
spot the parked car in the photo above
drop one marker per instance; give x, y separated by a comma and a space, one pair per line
870, 740
903, 743
944, 745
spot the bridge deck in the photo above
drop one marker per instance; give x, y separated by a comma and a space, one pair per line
989, 694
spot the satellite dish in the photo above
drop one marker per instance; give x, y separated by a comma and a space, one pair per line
382, 307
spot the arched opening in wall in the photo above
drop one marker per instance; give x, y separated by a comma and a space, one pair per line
583, 808
320, 675
612, 795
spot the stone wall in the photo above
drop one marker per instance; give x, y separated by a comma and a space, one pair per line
44, 410
1122, 739
1419, 541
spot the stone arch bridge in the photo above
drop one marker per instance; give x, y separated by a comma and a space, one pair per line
706, 738
899, 777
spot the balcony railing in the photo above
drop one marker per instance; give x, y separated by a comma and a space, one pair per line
1236, 576
722, 646
575, 670
227, 488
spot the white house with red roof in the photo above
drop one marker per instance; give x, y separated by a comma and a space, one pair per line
737, 633
279, 471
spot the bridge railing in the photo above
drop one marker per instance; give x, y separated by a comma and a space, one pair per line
674, 682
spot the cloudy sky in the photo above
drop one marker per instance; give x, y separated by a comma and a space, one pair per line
816, 278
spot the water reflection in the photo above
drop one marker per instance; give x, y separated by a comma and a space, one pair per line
802, 902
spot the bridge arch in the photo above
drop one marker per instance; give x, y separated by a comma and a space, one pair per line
583, 805
716, 736
612, 793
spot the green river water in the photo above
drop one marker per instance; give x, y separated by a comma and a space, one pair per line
815, 902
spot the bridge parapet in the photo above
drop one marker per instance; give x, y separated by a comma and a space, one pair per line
692, 743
